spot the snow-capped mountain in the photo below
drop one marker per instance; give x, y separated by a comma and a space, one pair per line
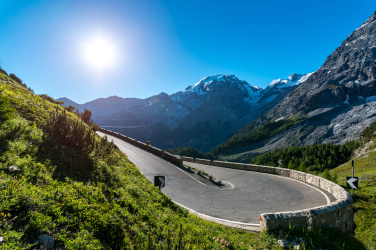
202, 115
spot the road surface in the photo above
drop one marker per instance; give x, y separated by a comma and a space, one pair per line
244, 197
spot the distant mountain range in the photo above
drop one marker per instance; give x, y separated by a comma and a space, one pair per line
202, 116
237, 120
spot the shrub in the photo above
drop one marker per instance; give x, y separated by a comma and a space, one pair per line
50, 99
16, 78
70, 132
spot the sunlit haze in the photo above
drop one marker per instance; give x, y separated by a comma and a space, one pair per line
85, 50
99, 53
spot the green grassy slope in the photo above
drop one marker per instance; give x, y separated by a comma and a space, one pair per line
84, 192
246, 138
364, 197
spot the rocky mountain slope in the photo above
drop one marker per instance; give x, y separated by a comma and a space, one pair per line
337, 100
202, 116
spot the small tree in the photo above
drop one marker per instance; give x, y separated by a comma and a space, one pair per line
326, 174
16, 78
290, 166
70, 108
86, 117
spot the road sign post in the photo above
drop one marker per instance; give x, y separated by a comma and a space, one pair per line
352, 182
159, 181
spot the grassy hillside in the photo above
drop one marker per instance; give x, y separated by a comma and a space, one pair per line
313, 158
245, 139
364, 198
318, 159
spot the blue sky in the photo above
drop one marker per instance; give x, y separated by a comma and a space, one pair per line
166, 45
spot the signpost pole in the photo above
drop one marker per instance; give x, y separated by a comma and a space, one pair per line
352, 190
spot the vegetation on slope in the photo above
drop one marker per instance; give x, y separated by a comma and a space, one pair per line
364, 197
190, 152
313, 158
244, 141
321, 158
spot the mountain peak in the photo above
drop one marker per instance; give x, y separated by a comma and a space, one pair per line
294, 77
209, 82
291, 80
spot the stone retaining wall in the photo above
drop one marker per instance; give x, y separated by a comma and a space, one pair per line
337, 214
165, 155
190, 159
203, 161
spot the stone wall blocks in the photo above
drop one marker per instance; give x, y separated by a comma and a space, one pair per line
282, 171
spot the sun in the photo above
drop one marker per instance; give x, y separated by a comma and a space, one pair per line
100, 53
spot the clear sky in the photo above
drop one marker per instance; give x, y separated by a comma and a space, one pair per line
152, 46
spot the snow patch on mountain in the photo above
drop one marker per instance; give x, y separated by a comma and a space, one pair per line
292, 80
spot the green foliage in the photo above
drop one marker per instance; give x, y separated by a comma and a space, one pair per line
70, 108
243, 141
86, 116
308, 158
6, 111
368, 133
190, 152
328, 238
364, 198
16, 78
50, 99
69, 132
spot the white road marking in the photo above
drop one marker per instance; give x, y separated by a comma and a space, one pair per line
229, 183
192, 177
219, 219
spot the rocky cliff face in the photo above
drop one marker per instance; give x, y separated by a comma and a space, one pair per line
346, 77
337, 99
202, 116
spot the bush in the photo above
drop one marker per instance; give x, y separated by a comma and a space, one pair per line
70, 132
16, 78
50, 99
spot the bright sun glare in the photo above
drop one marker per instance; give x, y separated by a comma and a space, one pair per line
100, 53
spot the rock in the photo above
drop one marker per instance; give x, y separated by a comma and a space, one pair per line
284, 243
47, 241
13, 168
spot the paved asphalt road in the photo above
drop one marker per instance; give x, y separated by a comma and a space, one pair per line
244, 197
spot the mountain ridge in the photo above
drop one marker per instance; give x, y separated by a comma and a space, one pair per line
202, 115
